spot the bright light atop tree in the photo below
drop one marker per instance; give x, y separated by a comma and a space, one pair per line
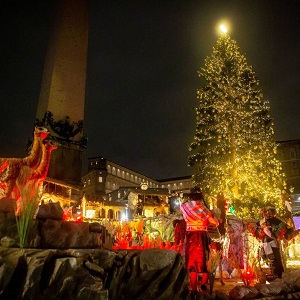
223, 28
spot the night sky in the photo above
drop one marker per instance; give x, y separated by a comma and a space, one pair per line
142, 73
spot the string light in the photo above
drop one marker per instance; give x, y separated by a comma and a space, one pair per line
233, 149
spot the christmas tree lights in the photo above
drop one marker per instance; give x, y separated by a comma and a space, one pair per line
233, 150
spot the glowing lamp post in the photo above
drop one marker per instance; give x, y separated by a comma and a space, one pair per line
144, 187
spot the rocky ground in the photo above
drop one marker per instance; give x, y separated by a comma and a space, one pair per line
90, 274
234, 289
69, 260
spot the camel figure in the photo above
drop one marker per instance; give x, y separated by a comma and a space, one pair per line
41, 172
10, 167
33, 178
35, 155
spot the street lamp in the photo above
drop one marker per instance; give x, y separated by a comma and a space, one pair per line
144, 187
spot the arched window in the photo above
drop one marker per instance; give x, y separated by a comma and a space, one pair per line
110, 214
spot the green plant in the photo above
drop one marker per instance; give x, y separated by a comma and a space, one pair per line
25, 210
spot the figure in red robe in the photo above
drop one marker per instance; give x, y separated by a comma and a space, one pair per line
197, 217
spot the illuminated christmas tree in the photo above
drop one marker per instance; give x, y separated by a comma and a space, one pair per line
233, 150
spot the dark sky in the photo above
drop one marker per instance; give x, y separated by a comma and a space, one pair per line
142, 73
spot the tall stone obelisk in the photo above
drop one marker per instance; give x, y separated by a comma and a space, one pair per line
62, 97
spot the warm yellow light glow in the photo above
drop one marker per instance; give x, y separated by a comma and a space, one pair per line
223, 28
90, 213
235, 156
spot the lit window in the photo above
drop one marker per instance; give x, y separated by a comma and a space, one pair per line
100, 179
89, 181
90, 213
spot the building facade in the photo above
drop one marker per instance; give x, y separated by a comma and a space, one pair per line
289, 155
104, 176
105, 180
118, 190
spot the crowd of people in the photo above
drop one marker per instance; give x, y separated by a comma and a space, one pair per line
192, 239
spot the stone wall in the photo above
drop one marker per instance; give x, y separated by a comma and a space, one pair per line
92, 274
49, 231
71, 260
56, 234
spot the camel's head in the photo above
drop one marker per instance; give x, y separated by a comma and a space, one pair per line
50, 145
41, 132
